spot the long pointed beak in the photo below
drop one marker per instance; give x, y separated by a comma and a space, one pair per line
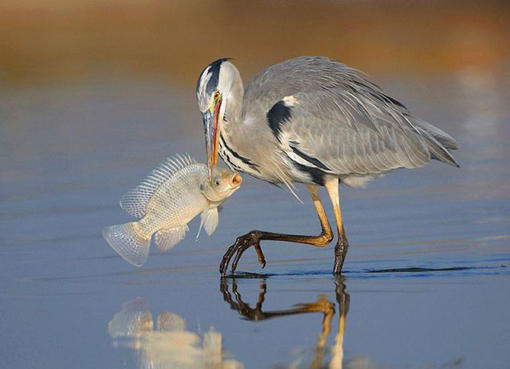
212, 127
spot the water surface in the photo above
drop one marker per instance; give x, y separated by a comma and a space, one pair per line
426, 282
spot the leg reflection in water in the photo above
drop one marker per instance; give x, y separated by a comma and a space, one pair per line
343, 299
321, 305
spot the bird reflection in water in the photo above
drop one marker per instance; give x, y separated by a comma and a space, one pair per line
321, 305
168, 344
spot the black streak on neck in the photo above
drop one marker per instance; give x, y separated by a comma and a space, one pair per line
236, 155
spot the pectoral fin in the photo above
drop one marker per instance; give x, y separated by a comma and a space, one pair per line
167, 238
208, 220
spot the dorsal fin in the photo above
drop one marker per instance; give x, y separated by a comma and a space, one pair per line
135, 201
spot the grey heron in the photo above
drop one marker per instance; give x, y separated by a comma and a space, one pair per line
315, 121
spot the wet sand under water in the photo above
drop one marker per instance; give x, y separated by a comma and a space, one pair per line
426, 282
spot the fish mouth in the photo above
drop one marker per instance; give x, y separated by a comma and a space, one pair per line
236, 180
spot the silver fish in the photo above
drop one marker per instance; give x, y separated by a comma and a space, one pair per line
166, 201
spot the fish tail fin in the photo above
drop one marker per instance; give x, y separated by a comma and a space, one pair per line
127, 240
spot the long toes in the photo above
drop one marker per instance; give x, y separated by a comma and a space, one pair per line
223, 268
236, 259
240, 245
226, 259
260, 255
239, 253
224, 264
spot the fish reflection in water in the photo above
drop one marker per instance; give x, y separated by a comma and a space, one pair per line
168, 345
320, 305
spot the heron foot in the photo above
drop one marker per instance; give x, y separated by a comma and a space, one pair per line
242, 244
238, 304
340, 253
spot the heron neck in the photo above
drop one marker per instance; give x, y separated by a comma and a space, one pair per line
237, 143
234, 102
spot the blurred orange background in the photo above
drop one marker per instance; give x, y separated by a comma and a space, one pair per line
65, 40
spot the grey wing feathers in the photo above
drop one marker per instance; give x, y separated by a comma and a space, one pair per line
302, 74
352, 133
135, 201
343, 120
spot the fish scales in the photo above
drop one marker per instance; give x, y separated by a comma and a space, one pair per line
177, 201
165, 202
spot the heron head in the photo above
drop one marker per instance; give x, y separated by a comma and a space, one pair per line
214, 88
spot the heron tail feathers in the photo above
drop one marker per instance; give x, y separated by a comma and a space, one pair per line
436, 149
447, 141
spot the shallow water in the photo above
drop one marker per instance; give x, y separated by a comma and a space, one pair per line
426, 282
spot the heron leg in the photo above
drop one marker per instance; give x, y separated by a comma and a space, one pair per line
253, 238
342, 244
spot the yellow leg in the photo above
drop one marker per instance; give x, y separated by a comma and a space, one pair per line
253, 238
326, 235
342, 245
